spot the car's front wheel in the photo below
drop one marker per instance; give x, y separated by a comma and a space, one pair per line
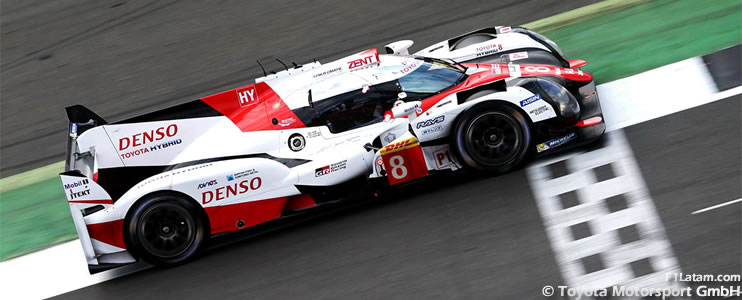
492, 138
165, 229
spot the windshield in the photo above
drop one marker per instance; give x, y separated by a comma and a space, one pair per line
431, 77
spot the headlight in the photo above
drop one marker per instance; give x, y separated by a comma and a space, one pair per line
567, 104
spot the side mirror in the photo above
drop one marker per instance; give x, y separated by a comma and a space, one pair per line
402, 109
399, 47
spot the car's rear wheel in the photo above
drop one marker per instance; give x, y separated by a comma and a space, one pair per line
492, 138
165, 230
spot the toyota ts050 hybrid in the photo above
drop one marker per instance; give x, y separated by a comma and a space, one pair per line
157, 186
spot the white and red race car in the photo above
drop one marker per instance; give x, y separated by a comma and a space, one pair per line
157, 186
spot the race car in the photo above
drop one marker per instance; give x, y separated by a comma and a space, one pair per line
156, 187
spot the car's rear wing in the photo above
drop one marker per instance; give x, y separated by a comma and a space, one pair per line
81, 119
83, 195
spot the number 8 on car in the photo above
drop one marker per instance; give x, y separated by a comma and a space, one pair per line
404, 161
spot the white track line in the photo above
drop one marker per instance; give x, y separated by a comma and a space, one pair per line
52, 272
623, 241
716, 206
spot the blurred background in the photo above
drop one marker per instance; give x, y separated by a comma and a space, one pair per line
475, 239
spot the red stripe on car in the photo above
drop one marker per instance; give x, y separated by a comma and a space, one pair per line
106, 201
227, 217
254, 107
108, 232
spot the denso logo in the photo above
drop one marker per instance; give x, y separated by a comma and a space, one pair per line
148, 136
360, 62
247, 96
76, 184
427, 123
232, 190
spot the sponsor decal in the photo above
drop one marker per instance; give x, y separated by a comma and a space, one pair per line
410, 67
207, 184
530, 100
286, 122
572, 71
76, 184
496, 69
540, 110
360, 62
555, 142
518, 55
442, 158
144, 150
489, 49
537, 69
297, 142
505, 29
379, 162
430, 122
431, 130
153, 135
514, 70
399, 145
73, 129
79, 194
326, 72
330, 168
389, 137
241, 174
247, 96
313, 134
232, 190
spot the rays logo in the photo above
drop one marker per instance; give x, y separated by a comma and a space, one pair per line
208, 183
430, 122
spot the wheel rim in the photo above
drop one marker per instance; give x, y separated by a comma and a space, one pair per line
494, 138
167, 230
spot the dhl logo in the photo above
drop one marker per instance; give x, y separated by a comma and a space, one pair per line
398, 146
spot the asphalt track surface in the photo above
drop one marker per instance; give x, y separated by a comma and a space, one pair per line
471, 237
124, 58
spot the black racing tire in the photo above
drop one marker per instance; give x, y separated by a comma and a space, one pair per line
491, 137
165, 229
